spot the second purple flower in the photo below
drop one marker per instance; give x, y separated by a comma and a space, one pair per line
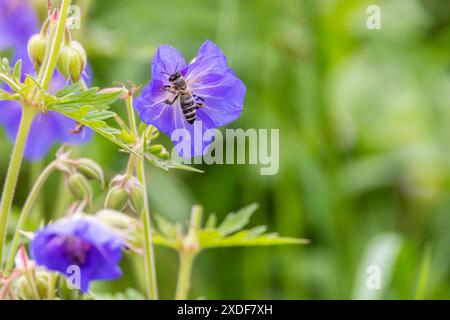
195, 97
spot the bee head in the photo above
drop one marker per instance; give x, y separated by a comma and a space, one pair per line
175, 76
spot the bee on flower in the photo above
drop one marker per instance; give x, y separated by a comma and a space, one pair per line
196, 97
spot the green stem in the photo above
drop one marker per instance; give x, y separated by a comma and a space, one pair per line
187, 253
130, 167
10, 82
52, 57
26, 210
184, 275
38, 208
53, 277
149, 259
29, 274
13, 172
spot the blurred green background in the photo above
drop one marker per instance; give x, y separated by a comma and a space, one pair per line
364, 161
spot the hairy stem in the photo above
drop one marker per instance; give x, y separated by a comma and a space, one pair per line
13, 172
149, 259
51, 58
26, 210
184, 275
53, 277
10, 82
187, 253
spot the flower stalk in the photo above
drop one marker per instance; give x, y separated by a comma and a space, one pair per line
28, 113
12, 175
51, 57
187, 253
149, 259
184, 275
26, 210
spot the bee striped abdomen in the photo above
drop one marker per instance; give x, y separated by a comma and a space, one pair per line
189, 107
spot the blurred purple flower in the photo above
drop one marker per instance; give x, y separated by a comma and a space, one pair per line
79, 241
18, 22
209, 78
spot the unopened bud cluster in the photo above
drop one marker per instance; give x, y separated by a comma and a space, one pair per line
37, 45
125, 194
72, 56
38, 290
72, 61
159, 150
78, 173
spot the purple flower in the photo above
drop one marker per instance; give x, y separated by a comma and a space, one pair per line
18, 22
79, 241
216, 91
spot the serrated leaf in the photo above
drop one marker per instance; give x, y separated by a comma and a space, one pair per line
5, 95
160, 240
93, 118
71, 96
214, 239
211, 223
126, 136
70, 89
17, 71
166, 228
236, 221
257, 231
8, 77
168, 164
31, 84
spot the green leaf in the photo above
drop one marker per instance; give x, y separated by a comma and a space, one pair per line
211, 223
94, 118
160, 240
167, 229
168, 164
9, 76
5, 95
70, 89
236, 221
88, 107
226, 235
92, 96
17, 71
214, 239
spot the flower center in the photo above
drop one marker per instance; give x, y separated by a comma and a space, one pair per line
77, 249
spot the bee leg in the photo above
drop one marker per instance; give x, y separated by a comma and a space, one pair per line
169, 88
173, 101
199, 101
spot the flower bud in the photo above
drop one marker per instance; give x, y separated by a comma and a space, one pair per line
72, 61
26, 291
136, 200
116, 219
90, 169
152, 133
36, 49
79, 186
130, 228
159, 150
116, 199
